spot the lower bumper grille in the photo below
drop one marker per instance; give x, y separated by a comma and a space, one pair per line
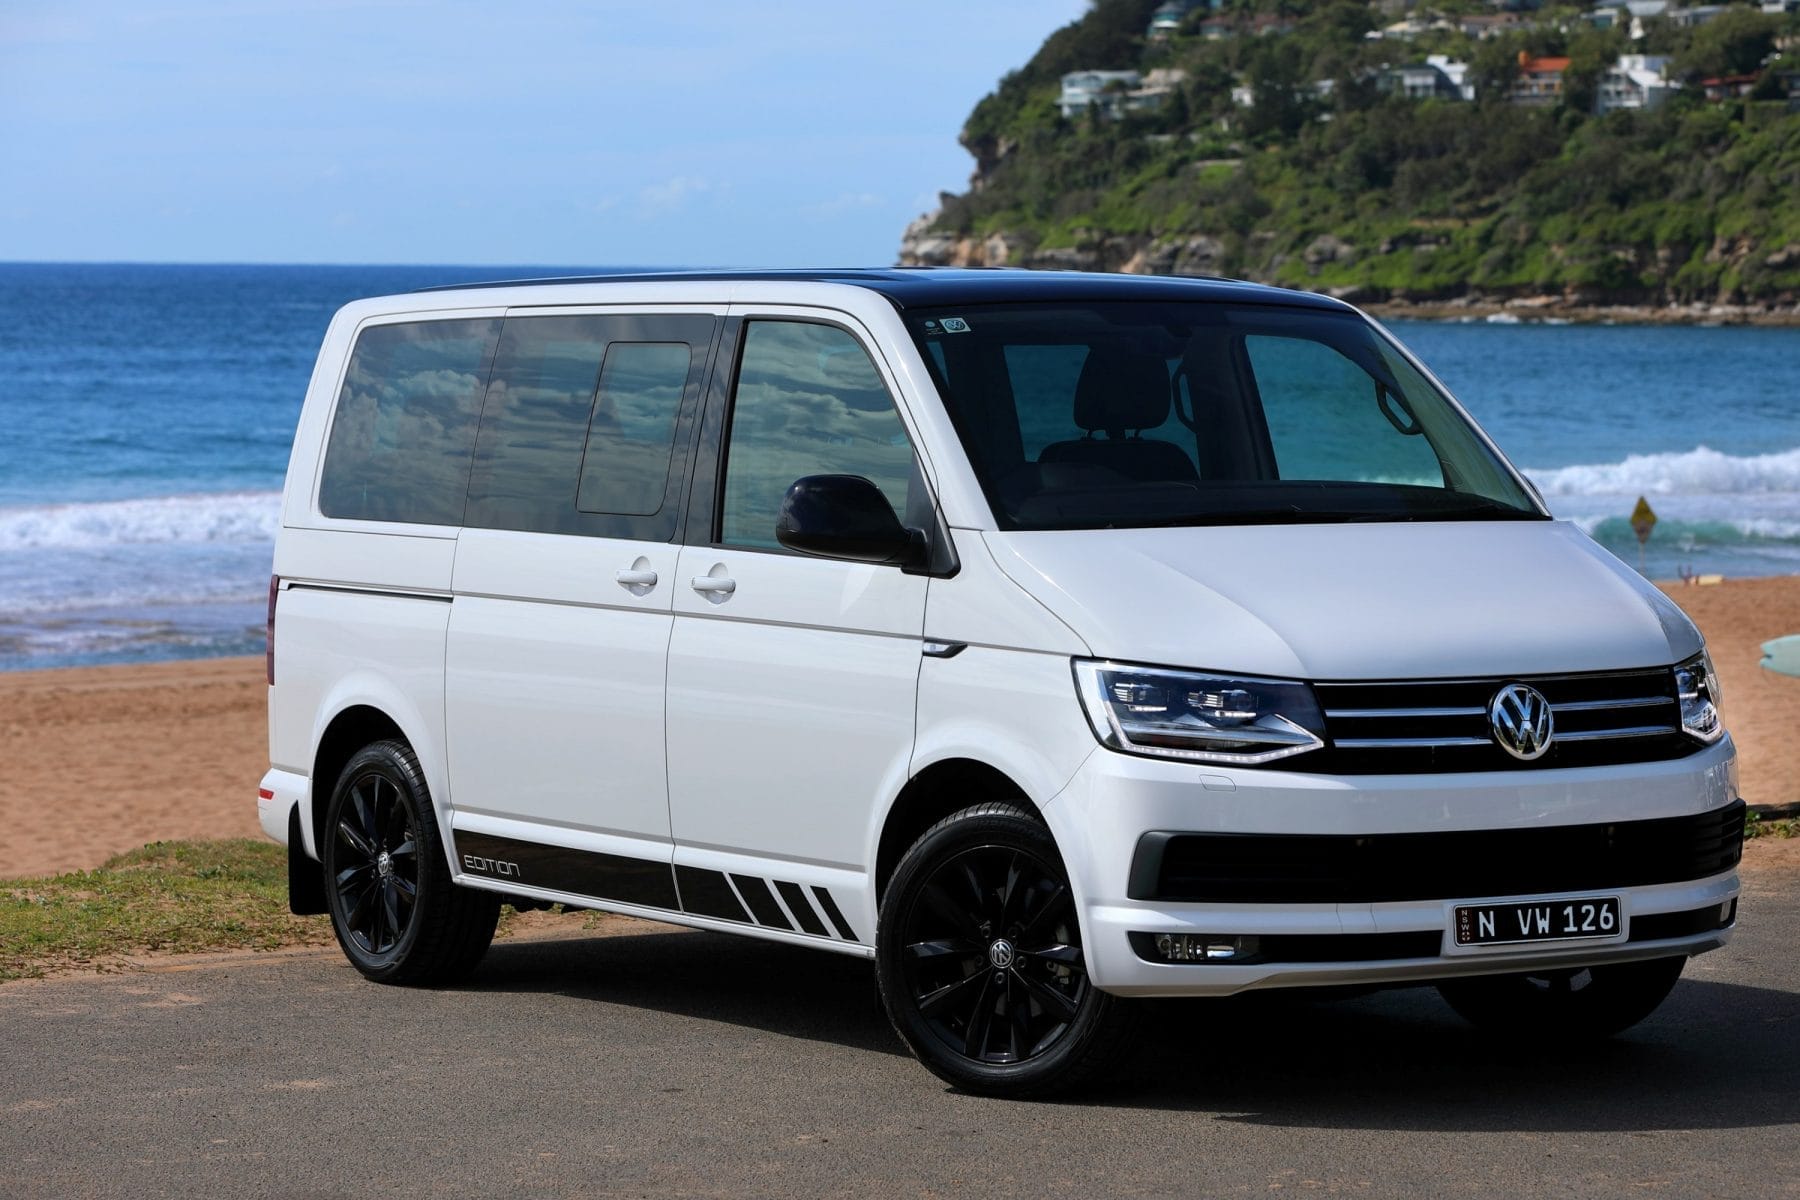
1323, 868
1304, 948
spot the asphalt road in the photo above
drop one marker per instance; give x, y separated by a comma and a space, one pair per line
669, 1063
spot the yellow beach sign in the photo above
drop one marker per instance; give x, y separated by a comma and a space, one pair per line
1643, 520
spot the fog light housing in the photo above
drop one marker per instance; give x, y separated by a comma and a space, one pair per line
1204, 947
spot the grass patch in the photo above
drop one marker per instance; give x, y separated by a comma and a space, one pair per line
168, 897
1755, 826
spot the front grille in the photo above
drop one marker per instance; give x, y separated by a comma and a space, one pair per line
1295, 868
1442, 725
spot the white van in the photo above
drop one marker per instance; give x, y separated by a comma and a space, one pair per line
1048, 639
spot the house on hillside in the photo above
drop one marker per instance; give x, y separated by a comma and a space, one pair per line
1224, 25
1729, 87
1404, 30
1115, 93
1693, 18
1642, 12
1456, 72
1540, 81
1487, 25
1428, 80
1082, 90
1777, 7
1157, 87
1167, 19
1608, 14
1635, 81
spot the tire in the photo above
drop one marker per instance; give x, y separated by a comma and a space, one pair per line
978, 955
395, 911
1573, 1004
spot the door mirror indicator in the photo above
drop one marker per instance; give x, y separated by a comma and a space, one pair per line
846, 517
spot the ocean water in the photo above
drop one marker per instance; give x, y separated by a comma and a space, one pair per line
146, 411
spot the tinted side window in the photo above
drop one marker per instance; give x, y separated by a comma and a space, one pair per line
405, 423
632, 432
582, 422
1324, 418
809, 402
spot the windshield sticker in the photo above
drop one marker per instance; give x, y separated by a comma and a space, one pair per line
947, 325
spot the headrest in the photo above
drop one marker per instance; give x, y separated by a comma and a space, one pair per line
1121, 389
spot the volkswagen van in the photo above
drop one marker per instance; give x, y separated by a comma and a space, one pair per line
1050, 640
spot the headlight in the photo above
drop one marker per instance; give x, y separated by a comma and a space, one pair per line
1698, 688
1203, 718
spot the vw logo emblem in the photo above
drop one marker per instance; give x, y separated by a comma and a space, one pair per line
1521, 720
1000, 954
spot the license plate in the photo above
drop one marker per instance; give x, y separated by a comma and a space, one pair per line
1537, 921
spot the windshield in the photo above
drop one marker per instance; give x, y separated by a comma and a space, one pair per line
1098, 415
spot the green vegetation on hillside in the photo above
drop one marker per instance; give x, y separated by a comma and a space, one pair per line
1344, 186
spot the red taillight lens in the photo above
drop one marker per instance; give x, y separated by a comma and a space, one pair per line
269, 648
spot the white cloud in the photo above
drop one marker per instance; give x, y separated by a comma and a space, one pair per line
671, 194
844, 203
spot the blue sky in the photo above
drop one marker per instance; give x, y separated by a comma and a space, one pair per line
542, 131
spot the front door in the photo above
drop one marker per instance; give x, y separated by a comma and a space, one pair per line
791, 679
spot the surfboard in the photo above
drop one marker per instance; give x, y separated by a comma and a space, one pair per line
1783, 654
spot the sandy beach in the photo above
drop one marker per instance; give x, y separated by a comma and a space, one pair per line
99, 760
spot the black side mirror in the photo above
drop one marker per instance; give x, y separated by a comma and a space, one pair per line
845, 516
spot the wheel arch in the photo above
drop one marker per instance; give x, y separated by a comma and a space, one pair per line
364, 710
346, 733
932, 794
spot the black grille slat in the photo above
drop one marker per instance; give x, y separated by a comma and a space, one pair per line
1319, 948
1375, 727
1656, 927
1325, 868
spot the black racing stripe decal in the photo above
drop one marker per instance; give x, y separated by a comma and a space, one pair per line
559, 868
761, 900
834, 916
801, 907
706, 894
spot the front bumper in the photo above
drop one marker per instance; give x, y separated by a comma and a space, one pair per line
1116, 799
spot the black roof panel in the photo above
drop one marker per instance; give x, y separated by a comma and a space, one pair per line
915, 287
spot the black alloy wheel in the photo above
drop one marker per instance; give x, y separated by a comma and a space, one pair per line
377, 864
994, 955
398, 916
980, 961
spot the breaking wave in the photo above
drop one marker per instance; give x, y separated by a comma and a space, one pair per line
1702, 471
231, 517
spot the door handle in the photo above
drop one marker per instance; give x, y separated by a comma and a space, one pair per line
631, 579
714, 585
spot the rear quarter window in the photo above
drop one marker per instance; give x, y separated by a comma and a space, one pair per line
404, 429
